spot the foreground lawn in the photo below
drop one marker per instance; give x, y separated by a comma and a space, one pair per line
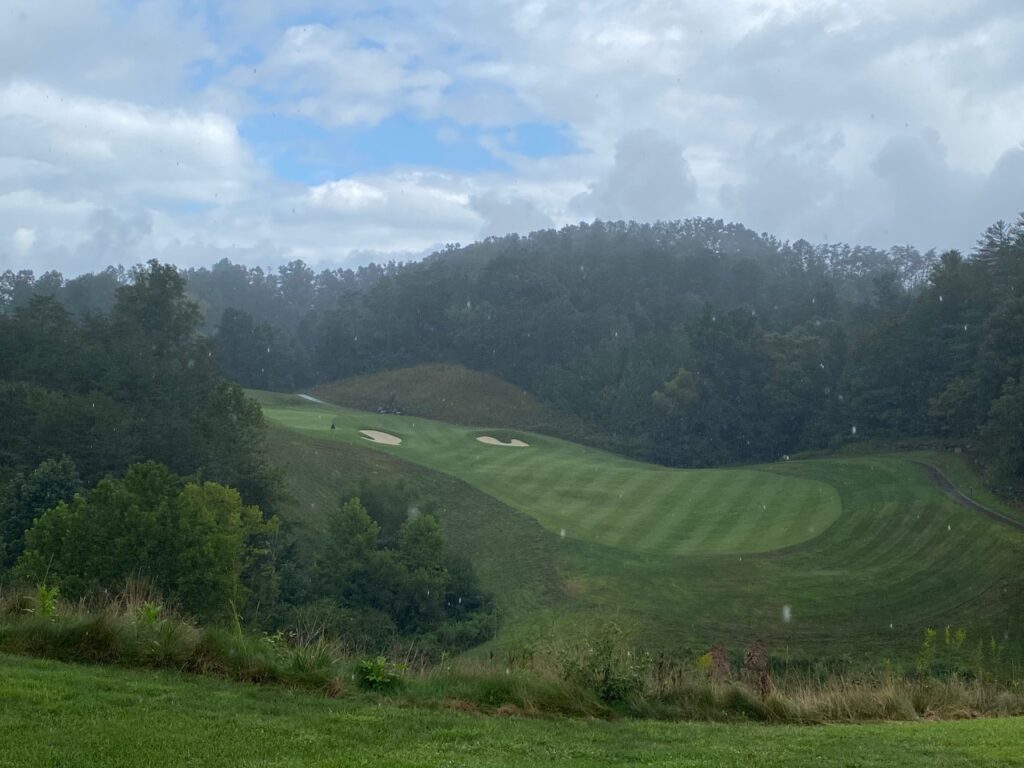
54, 714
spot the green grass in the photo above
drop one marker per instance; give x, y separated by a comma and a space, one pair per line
966, 477
583, 493
513, 554
898, 558
457, 395
54, 714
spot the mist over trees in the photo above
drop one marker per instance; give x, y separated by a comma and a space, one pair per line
694, 343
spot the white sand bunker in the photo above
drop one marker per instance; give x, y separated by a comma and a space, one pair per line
380, 437
513, 443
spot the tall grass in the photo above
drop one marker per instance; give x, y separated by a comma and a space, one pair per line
602, 677
133, 629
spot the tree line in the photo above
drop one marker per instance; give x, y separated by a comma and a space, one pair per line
692, 343
125, 454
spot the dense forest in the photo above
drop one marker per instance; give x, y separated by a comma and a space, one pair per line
126, 455
691, 343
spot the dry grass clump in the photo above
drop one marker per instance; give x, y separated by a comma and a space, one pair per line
600, 676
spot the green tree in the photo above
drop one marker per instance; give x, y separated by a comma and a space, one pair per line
192, 541
678, 395
349, 563
26, 498
422, 553
1002, 438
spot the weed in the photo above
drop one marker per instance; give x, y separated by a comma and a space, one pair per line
46, 599
379, 674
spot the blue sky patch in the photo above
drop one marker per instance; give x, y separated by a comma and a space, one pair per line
300, 150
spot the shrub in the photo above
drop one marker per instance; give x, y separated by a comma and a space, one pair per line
378, 674
46, 599
606, 666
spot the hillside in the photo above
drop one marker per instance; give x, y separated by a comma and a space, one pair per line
828, 557
512, 555
457, 395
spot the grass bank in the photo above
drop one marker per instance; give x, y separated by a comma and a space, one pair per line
59, 714
603, 677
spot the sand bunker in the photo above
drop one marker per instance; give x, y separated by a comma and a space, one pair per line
513, 443
380, 437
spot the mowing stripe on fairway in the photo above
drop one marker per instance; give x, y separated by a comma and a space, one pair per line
594, 495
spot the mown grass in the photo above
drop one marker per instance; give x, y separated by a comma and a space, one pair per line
54, 714
899, 558
586, 494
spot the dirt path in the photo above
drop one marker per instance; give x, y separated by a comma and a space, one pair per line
940, 481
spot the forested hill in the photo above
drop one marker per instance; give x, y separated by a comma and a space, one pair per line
694, 342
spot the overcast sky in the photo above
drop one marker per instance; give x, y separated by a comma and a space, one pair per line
266, 131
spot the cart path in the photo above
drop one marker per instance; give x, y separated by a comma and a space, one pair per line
943, 483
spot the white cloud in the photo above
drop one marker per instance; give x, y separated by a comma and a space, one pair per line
650, 179
508, 213
138, 51
888, 122
23, 239
121, 149
331, 77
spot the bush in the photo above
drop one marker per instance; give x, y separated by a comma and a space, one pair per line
607, 666
378, 674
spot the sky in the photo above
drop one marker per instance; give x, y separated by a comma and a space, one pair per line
347, 132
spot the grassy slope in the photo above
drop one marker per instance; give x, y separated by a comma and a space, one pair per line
899, 558
592, 495
965, 476
512, 554
56, 714
456, 395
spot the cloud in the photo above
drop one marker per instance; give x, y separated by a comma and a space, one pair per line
910, 192
918, 196
650, 179
505, 214
875, 121
23, 239
400, 200
1002, 193
120, 149
138, 51
328, 75
115, 239
789, 177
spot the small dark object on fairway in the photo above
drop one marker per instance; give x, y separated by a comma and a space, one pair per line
332, 425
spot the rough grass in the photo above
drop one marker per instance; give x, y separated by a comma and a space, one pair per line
457, 395
603, 676
967, 478
116, 634
899, 558
58, 714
